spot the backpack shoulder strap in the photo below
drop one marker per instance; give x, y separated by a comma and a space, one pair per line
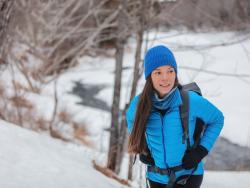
191, 87
184, 114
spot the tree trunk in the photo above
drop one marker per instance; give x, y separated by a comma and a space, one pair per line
241, 9
137, 67
134, 85
123, 127
6, 7
114, 130
114, 134
121, 141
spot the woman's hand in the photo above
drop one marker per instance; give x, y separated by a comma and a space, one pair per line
192, 157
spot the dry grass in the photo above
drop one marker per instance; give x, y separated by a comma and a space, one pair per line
20, 87
109, 173
16, 109
65, 116
81, 134
1, 90
21, 102
19, 110
42, 123
57, 134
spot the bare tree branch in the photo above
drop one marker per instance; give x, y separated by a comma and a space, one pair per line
215, 72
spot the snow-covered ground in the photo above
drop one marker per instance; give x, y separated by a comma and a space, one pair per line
226, 179
29, 159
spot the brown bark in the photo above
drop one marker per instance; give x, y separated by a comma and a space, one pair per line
6, 7
137, 67
114, 130
109, 173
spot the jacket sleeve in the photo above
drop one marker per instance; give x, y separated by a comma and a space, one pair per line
212, 117
130, 114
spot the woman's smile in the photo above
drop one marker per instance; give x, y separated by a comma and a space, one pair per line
164, 85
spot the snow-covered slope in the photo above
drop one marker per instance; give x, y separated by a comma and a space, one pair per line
226, 180
29, 159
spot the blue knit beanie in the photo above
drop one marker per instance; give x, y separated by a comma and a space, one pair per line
158, 56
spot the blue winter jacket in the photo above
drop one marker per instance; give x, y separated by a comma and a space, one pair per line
164, 133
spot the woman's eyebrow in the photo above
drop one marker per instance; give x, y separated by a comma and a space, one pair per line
161, 70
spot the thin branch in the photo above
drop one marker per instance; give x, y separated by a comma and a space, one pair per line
215, 72
89, 41
75, 28
55, 105
24, 73
209, 46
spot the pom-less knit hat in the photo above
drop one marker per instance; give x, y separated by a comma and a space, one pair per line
158, 56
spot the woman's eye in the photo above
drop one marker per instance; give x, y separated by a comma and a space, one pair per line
158, 73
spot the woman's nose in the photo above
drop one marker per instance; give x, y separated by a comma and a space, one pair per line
164, 76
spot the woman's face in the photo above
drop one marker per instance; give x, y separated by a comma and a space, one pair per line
163, 79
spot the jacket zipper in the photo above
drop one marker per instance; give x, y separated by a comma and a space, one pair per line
163, 140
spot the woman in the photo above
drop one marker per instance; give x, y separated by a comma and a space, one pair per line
154, 115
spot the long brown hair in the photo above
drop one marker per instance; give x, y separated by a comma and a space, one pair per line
136, 142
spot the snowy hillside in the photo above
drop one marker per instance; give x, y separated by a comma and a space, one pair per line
226, 180
29, 159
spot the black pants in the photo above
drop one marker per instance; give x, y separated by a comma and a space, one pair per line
193, 182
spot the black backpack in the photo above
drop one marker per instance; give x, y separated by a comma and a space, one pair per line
146, 157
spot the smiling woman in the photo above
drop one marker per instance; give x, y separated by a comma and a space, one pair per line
153, 119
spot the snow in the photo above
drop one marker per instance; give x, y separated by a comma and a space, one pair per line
226, 179
29, 159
